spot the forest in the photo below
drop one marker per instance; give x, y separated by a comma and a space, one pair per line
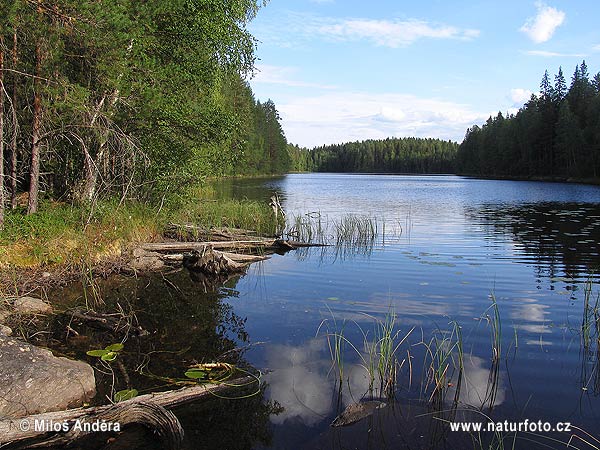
556, 134
392, 155
128, 99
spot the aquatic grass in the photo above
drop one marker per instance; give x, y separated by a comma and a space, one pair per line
379, 356
444, 355
492, 315
91, 290
345, 237
590, 325
383, 358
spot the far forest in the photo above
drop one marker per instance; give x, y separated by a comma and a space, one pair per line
555, 135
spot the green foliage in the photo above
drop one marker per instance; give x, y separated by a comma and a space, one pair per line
125, 394
138, 99
392, 155
196, 374
107, 354
556, 134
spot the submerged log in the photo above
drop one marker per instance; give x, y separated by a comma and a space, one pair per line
150, 410
115, 323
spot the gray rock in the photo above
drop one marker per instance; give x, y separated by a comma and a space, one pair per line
7, 331
30, 305
33, 380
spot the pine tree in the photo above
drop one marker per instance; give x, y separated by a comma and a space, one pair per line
560, 86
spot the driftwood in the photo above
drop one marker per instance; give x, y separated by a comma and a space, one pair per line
181, 247
150, 410
227, 257
211, 262
189, 232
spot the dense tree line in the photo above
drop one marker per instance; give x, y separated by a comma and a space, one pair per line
392, 155
128, 98
555, 134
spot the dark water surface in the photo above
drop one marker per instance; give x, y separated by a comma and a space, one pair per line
449, 246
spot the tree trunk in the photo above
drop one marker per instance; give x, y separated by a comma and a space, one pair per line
34, 176
1, 132
13, 142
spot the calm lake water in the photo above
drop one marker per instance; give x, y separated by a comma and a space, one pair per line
452, 243
446, 247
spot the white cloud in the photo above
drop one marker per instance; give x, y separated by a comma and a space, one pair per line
596, 48
394, 33
270, 74
295, 29
548, 54
541, 27
336, 117
520, 96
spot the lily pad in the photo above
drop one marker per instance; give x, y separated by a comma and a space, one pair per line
126, 394
196, 374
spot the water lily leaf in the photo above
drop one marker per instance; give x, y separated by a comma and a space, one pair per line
126, 394
115, 348
109, 356
195, 374
96, 353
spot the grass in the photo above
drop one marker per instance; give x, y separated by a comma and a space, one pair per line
590, 325
79, 237
379, 357
347, 236
69, 235
492, 315
444, 355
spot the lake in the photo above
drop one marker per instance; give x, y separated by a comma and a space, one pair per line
488, 289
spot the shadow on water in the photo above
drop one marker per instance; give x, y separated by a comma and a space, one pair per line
167, 323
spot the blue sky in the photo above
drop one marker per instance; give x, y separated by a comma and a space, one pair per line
345, 70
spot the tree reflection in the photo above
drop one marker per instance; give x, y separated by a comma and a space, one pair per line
558, 237
177, 323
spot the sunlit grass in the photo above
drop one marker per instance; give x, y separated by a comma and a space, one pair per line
80, 236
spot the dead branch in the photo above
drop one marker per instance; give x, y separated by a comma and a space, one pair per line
150, 410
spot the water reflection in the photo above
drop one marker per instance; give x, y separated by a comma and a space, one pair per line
558, 237
482, 384
182, 325
300, 381
530, 316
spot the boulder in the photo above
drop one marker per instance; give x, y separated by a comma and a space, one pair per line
33, 380
30, 305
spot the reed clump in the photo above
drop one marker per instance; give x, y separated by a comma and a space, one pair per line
380, 353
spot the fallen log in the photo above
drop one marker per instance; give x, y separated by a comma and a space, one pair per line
150, 410
189, 232
237, 257
179, 247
